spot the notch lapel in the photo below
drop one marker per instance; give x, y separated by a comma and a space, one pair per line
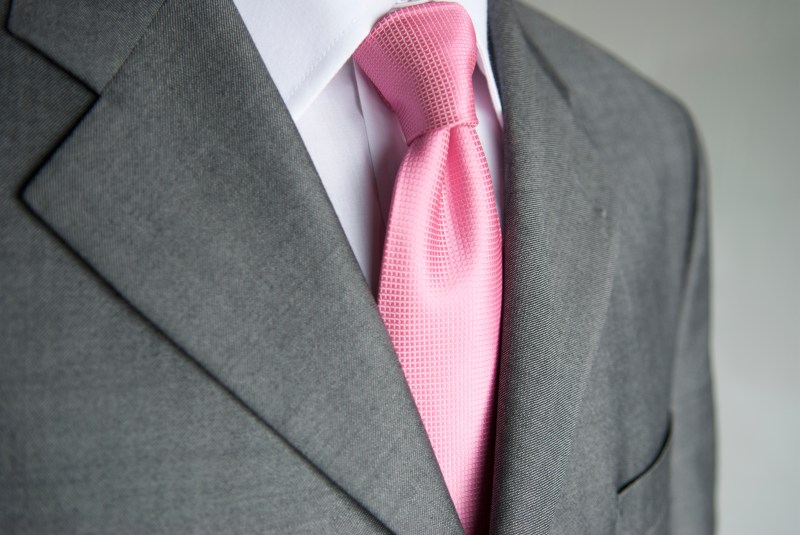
188, 189
559, 253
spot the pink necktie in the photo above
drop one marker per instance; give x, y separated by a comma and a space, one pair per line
440, 289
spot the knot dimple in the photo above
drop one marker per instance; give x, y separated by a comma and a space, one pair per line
421, 59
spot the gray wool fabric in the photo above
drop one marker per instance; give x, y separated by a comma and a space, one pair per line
187, 344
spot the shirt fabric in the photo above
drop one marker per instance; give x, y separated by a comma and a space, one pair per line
353, 138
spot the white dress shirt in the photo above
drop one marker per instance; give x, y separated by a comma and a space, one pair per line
353, 138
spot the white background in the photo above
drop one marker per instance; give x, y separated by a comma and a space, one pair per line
736, 64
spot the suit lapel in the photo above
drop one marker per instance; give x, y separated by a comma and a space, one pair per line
559, 253
188, 189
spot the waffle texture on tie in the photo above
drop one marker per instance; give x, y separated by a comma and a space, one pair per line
440, 288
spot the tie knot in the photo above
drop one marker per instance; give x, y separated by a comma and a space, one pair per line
421, 59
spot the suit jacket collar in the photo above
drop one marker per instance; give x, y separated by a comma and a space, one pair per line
187, 188
559, 252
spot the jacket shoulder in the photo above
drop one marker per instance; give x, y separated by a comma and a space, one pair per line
617, 106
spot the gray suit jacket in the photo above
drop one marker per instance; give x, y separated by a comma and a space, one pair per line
187, 344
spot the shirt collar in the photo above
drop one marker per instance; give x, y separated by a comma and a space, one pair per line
304, 44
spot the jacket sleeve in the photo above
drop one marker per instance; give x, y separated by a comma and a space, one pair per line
693, 456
